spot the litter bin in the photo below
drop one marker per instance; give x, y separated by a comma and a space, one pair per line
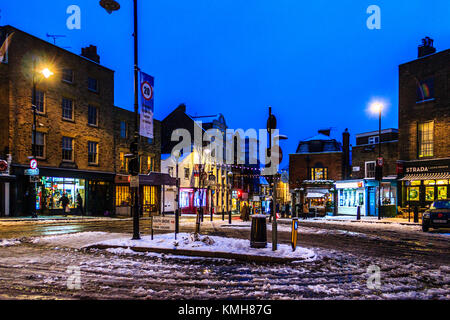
258, 234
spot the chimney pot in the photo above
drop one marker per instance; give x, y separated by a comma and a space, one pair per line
90, 53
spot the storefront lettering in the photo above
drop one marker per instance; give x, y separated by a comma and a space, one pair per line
417, 169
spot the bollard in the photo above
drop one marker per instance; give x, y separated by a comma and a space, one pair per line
358, 213
294, 233
416, 214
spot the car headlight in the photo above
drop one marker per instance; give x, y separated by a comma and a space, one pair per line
426, 215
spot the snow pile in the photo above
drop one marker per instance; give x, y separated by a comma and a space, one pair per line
8, 243
212, 244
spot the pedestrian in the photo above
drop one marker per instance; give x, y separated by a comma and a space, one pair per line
287, 210
305, 210
80, 204
64, 200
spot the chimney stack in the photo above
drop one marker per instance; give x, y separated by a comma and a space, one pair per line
426, 48
90, 53
346, 154
326, 132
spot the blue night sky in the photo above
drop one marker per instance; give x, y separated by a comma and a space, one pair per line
315, 62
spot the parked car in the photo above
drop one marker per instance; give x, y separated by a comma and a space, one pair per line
437, 216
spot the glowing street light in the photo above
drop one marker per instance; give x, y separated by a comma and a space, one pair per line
376, 107
47, 73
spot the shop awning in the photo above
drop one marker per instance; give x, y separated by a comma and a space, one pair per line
315, 195
426, 176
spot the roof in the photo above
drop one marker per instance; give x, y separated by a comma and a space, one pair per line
319, 137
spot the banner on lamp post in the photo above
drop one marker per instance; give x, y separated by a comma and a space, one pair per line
146, 105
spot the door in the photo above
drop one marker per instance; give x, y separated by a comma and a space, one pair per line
372, 201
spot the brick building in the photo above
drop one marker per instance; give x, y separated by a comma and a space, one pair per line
318, 162
74, 142
424, 125
151, 178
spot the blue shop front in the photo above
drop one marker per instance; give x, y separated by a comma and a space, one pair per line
364, 193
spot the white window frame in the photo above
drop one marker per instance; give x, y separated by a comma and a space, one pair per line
374, 163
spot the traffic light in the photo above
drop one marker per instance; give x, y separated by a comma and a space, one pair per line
133, 166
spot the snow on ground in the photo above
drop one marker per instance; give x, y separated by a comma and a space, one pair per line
211, 244
8, 243
76, 240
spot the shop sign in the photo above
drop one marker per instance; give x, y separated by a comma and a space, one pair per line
134, 182
429, 167
163, 223
349, 185
31, 172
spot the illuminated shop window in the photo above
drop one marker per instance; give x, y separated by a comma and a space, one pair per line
123, 197
441, 192
429, 194
319, 173
413, 194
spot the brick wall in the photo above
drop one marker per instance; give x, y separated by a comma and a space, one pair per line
299, 164
411, 113
362, 154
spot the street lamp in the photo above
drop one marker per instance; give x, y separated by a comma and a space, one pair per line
46, 73
377, 108
110, 6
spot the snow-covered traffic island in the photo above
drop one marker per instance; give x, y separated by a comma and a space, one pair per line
208, 246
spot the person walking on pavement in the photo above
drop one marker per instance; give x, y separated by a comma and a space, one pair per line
65, 204
305, 210
80, 204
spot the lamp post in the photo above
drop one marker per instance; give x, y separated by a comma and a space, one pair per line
377, 108
110, 6
46, 73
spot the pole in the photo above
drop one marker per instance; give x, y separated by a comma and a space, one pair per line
177, 211
228, 200
136, 211
33, 186
379, 156
274, 191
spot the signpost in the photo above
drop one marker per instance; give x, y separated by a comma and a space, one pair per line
163, 224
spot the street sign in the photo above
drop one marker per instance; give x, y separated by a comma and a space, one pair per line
3, 165
163, 223
33, 164
31, 172
380, 162
134, 181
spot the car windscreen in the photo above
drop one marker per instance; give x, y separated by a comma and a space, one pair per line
440, 205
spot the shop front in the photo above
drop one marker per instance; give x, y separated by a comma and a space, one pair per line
150, 187
191, 200
351, 195
95, 189
423, 182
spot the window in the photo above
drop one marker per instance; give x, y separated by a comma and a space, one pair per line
425, 139
92, 152
123, 196
40, 95
187, 173
92, 115
67, 109
67, 149
319, 173
374, 140
92, 84
170, 171
370, 169
425, 90
147, 164
67, 75
123, 129
39, 146
123, 162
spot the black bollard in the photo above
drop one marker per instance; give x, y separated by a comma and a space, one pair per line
358, 213
416, 214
